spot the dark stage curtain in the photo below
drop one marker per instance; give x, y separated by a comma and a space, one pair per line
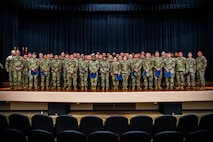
106, 31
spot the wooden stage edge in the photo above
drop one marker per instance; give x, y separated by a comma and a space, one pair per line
107, 97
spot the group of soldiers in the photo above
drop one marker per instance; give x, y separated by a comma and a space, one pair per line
135, 71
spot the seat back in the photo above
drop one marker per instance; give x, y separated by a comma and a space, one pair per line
39, 135
117, 124
164, 123
3, 122
20, 122
44, 122
103, 136
168, 136
71, 136
65, 122
206, 122
12, 135
141, 123
200, 136
187, 123
135, 136
90, 124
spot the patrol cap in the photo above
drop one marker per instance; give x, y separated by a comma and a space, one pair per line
92, 75
157, 73
132, 73
118, 77
42, 73
144, 73
168, 74
34, 72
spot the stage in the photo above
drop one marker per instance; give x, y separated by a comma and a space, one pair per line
107, 100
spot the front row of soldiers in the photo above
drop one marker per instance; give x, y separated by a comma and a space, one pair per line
122, 71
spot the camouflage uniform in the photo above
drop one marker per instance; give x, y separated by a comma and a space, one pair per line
201, 64
115, 69
180, 71
72, 66
191, 69
169, 65
9, 69
56, 73
93, 68
1, 66
25, 74
136, 65
158, 64
33, 79
83, 74
45, 73
125, 71
17, 62
148, 65
104, 69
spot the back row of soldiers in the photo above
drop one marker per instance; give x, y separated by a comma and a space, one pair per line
105, 71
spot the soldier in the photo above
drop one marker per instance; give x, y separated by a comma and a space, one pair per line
104, 69
45, 72
180, 70
136, 66
125, 71
93, 69
115, 70
17, 64
83, 73
148, 65
25, 72
169, 66
201, 64
1, 66
190, 70
56, 72
33, 65
72, 68
64, 70
9, 68
158, 70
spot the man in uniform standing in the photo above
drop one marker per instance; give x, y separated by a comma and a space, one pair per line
93, 68
25, 73
17, 64
83, 72
190, 70
104, 69
201, 64
33, 65
45, 72
56, 72
148, 65
9, 68
72, 69
125, 71
169, 66
136, 66
180, 70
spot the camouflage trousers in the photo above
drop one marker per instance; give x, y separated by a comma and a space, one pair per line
201, 78
33, 81
105, 80
125, 77
56, 79
45, 80
157, 80
148, 80
83, 79
191, 79
180, 78
10, 73
25, 79
17, 78
115, 82
170, 81
72, 80
136, 80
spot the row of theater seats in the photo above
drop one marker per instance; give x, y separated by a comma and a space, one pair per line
141, 128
